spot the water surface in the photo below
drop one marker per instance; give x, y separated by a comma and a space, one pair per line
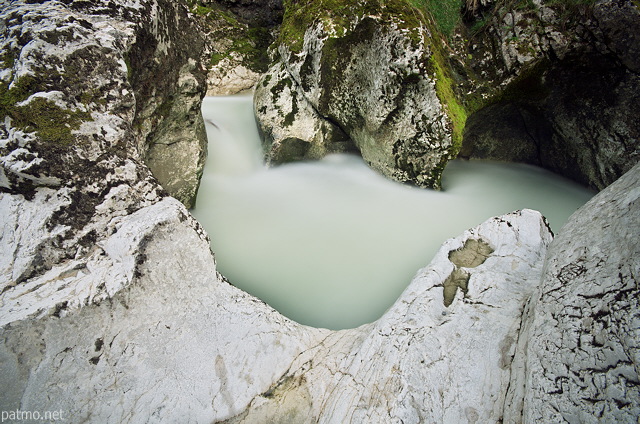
332, 243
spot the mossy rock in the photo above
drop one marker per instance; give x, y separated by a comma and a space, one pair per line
381, 104
50, 122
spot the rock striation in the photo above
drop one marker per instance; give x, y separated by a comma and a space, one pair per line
424, 360
111, 308
179, 343
548, 83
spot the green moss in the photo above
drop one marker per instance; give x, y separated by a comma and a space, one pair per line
127, 62
165, 107
277, 89
338, 16
290, 118
217, 57
445, 90
8, 59
445, 13
50, 122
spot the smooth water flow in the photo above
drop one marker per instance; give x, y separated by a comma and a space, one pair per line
332, 243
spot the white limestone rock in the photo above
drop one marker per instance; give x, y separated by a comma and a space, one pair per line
291, 129
172, 343
229, 77
578, 355
424, 361
177, 343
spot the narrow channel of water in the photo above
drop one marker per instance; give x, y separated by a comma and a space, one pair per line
332, 243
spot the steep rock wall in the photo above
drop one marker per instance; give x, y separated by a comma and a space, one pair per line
147, 62
578, 355
543, 82
111, 309
555, 84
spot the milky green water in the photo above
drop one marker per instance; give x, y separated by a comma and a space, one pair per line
332, 243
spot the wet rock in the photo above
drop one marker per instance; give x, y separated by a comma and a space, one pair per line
414, 363
254, 12
179, 343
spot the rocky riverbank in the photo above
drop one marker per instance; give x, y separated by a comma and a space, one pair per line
111, 308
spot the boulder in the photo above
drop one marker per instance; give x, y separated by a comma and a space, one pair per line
111, 308
172, 341
77, 74
361, 75
442, 353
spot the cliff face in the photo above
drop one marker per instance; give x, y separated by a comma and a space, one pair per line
555, 84
100, 103
578, 354
111, 308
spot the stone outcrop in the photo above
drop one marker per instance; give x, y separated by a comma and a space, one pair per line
181, 54
424, 361
578, 355
360, 76
256, 13
548, 83
238, 33
555, 84
111, 308
178, 343
89, 77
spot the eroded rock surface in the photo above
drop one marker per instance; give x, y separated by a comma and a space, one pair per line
554, 86
362, 72
423, 361
179, 343
578, 356
112, 311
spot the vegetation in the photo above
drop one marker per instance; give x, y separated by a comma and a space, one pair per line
337, 16
567, 10
50, 122
446, 16
445, 13
454, 108
249, 44
440, 16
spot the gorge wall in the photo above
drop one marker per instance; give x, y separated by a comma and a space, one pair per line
111, 308
516, 81
567, 79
